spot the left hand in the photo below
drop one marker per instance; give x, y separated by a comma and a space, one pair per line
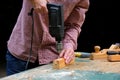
67, 54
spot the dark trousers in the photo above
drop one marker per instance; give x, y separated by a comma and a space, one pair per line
15, 65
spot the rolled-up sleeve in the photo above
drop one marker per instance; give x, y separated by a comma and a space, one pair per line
74, 23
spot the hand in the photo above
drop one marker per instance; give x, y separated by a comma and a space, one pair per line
67, 54
40, 5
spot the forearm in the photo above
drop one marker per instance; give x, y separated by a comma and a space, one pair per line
74, 23
71, 35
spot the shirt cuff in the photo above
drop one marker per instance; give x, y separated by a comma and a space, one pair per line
67, 46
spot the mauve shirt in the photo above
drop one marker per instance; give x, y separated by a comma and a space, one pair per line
44, 45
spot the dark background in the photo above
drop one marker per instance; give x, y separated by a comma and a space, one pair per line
101, 26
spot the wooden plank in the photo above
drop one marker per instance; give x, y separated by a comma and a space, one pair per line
60, 63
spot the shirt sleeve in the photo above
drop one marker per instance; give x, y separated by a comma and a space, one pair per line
74, 23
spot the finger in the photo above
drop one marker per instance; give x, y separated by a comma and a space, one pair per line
62, 53
70, 57
37, 9
44, 8
67, 54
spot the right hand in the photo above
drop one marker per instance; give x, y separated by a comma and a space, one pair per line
40, 6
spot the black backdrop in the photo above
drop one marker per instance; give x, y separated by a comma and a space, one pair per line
101, 26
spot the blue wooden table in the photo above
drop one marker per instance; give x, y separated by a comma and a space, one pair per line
83, 69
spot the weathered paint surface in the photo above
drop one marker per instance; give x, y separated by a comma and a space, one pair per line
83, 69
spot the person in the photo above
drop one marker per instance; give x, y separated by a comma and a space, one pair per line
43, 44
